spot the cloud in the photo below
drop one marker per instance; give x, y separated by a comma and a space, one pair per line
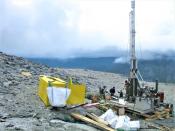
121, 60
75, 28
155, 25
147, 55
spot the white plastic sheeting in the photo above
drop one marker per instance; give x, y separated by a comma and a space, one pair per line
58, 96
122, 102
119, 121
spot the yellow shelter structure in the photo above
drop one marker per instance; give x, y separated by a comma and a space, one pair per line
77, 95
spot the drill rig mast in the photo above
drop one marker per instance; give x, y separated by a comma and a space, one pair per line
143, 97
133, 59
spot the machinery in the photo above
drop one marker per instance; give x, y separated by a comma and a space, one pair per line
145, 98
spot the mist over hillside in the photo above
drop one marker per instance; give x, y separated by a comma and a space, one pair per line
161, 68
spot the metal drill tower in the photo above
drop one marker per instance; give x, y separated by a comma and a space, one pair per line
145, 103
133, 60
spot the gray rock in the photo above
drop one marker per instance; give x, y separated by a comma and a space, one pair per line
4, 115
9, 125
57, 123
71, 126
7, 84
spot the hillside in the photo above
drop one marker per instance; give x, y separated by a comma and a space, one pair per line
21, 108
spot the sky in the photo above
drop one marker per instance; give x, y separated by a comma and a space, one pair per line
80, 28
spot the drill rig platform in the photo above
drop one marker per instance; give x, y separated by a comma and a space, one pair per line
139, 95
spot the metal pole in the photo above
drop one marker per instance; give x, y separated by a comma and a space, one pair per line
133, 60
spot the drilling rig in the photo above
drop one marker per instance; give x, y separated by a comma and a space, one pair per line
145, 98
133, 60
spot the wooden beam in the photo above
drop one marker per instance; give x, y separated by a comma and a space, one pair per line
97, 119
92, 122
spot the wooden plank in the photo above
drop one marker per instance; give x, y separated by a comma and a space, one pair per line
92, 122
91, 105
103, 107
112, 102
166, 128
97, 119
73, 107
158, 116
135, 110
121, 111
156, 127
160, 127
137, 113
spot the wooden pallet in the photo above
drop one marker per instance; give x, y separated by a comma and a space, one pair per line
159, 115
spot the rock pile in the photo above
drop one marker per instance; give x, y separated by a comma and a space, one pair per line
20, 107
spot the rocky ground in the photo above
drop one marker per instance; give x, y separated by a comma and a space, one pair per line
21, 108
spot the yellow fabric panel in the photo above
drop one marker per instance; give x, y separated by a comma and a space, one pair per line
77, 95
43, 84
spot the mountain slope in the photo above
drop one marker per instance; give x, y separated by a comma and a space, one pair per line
21, 108
150, 69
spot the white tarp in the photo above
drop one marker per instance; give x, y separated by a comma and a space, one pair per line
134, 124
116, 121
122, 102
58, 96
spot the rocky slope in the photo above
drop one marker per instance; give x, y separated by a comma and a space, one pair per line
21, 108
